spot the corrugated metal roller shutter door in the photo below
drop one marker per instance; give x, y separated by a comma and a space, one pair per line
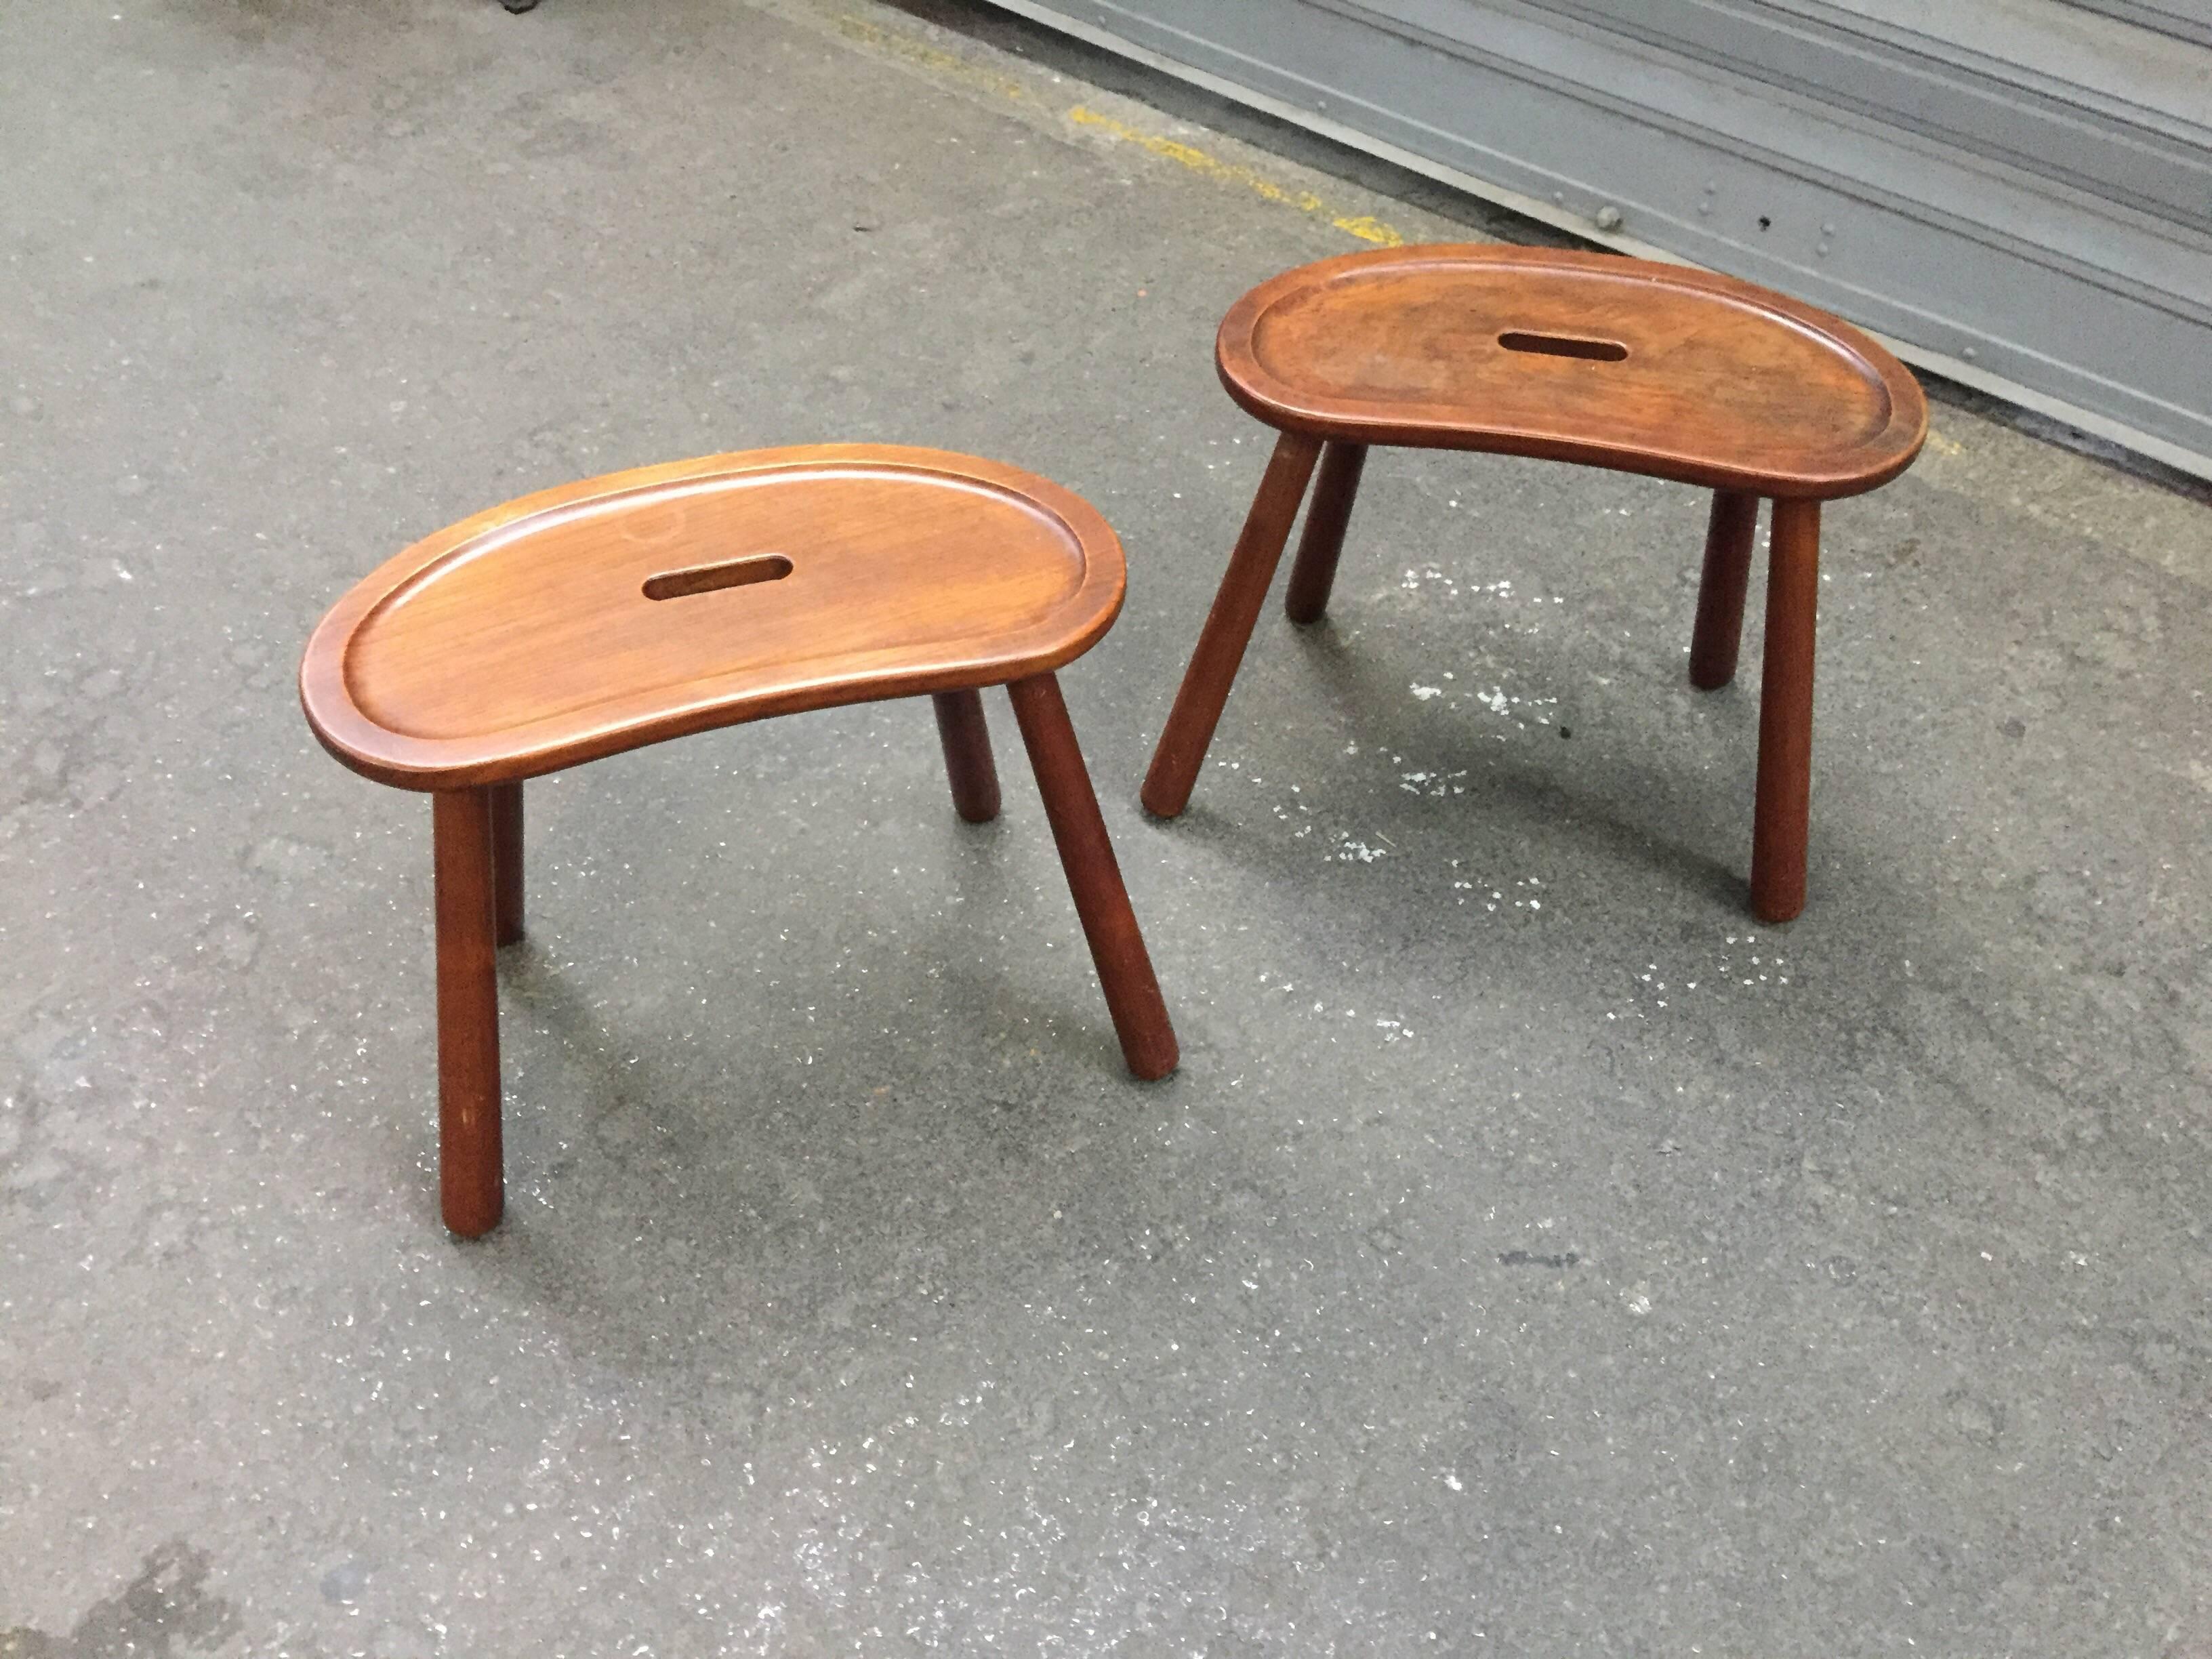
2019, 193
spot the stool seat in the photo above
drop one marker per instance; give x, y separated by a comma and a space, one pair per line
1574, 356
646, 604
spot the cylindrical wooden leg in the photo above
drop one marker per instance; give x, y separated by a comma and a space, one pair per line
507, 858
1124, 968
1221, 642
967, 740
1313, 573
1785, 714
1719, 628
468, 1012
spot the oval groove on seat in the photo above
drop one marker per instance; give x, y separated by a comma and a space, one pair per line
713, 578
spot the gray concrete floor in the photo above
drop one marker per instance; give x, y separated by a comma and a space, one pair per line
1532, 1256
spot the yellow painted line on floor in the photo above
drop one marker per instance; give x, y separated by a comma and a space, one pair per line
1368, 229
1365, 227
938, 61
952, 66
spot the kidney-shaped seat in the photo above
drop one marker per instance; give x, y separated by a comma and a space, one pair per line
1624, 364
625, 610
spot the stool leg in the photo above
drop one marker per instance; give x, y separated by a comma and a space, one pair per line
468, 1012
1125, 969
966, 737
1719, 627
1228, 628
1313, 573
507, 858
1785, 714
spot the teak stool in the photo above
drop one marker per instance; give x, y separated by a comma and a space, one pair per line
649, 604
1568, 356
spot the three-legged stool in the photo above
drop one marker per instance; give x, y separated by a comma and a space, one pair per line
1569, 356
649, 604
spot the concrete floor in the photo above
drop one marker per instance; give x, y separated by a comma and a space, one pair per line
1532, 1256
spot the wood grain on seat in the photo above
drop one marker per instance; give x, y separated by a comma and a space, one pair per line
1575, 357
628, 609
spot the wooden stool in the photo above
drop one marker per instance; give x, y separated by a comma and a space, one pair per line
623, 611
1586, 357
